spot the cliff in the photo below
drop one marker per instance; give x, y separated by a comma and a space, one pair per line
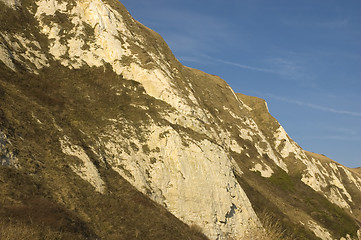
102, 124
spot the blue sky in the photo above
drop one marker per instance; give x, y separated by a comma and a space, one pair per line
303, 57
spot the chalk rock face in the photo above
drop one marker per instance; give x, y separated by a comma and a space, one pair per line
183, 168
192, 176
94, 93
7, 157
11, 3
177, 172
5, 57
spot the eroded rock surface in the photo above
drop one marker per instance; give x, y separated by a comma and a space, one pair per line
105, 93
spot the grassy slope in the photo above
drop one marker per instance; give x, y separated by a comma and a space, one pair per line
355, 192
58, 96
357, 170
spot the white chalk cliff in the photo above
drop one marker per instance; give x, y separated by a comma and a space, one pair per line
192, 140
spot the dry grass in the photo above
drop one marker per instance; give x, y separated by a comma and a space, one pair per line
11, 231
272, 230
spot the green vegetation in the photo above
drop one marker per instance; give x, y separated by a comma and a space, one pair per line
331, 215
268, 208
21, 21
265, 121
292, 194
282, 180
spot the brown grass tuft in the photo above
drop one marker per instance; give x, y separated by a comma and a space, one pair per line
272, 229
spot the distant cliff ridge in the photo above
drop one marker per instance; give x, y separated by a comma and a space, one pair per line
102, 125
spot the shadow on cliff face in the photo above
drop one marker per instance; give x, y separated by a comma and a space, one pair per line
26, 214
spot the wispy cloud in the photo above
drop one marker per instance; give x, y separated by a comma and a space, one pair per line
314, 106
184, 29
338, 133
239, 65
345, 131
279, 66
288, 68
196, 37
187, 31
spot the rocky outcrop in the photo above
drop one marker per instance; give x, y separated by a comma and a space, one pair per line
106, 96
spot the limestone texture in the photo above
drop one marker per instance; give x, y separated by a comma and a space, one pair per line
95, 105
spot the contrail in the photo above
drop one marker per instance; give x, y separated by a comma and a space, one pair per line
314, 106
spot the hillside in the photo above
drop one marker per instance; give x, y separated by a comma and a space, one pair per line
105, 135
358, 170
